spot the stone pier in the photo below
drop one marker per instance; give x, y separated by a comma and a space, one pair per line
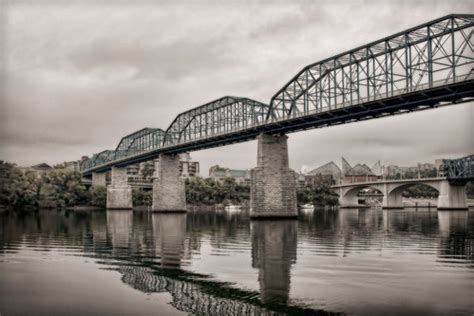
274, 244
168, 186
98, 179
273, 186
119, 193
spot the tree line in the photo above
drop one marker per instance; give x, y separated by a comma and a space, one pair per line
63, 188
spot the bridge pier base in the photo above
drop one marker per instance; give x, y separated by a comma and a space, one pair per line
392, 198
119, 193
348, 200
98, 179
273, 186
452, 197
169, 193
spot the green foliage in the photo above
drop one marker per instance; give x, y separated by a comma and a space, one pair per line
470, 190
98, 196
67, 188
208, 191
142, 197
148, 170
320, 195
421, 191
19, 189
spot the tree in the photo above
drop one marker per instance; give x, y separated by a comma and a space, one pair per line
98, 196
67, 188
142, 197
148, 170
320, 195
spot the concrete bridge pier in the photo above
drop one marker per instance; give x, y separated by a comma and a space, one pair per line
119, 193
392, 197
169, 193
273, 186
348, 198
98, 179
452, 197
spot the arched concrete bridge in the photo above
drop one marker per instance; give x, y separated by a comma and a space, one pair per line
451, 196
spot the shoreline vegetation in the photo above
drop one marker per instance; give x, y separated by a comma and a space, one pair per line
63, 188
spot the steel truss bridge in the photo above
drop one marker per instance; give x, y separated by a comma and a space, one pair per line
426, 66
459, 171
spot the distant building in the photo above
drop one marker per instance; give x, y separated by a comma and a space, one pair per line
39, 169
133, 170
145, 170
330, 173
218, 174
358, 173
420, 170
188, 168
73, 165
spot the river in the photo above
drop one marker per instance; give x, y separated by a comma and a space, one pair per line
347, 261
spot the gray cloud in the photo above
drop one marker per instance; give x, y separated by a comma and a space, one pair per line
87, 73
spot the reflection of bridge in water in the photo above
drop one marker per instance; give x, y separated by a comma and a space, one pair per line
136, 245
273, 251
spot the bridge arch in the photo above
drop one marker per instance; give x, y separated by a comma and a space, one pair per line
394, 192
224, 115
348, 197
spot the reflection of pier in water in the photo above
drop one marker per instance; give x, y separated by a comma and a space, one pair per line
169, 231
274, 250
119, 230
274, 246
454, 243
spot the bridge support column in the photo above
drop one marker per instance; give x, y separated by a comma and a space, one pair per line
98, 179
392, 199
273, 186
169, 193
348, 198
452, 197
119, 193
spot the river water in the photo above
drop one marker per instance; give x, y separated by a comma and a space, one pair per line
358, 262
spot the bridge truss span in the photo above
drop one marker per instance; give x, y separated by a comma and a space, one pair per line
434, 54
221, 116
143, 140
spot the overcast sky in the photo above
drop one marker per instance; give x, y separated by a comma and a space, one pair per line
78, 75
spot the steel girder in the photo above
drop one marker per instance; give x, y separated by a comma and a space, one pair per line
433, 54
459, 171
221, 116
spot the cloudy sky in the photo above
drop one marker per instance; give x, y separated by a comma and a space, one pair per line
75, 76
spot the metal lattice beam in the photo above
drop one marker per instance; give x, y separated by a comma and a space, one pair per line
224, 115
433, 54
459, 170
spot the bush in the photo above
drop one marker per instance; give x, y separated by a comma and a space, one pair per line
98, 196
208, 191
142, 197
320, 195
